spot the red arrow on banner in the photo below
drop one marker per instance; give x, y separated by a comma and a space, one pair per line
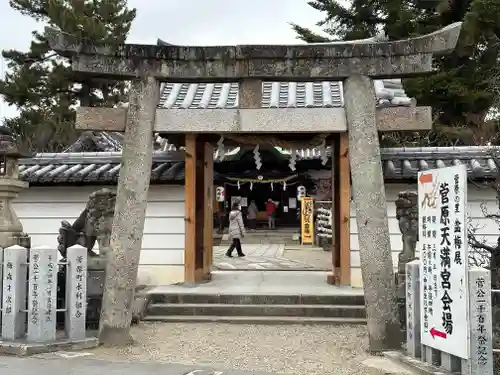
424, 178
434, 332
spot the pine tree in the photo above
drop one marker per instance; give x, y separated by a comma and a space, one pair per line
460, 93
41, 84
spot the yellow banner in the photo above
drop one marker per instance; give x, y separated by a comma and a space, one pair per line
307, 220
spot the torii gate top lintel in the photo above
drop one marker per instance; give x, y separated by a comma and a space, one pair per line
322, 61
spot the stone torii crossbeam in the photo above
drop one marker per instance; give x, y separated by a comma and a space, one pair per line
354, 63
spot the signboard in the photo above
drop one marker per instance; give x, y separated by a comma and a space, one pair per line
442, 196
307, 220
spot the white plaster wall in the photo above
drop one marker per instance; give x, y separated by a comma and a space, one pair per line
41, 210
487, 227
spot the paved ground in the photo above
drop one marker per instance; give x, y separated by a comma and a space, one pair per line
290, 349
262, 282
60, 364
273, 257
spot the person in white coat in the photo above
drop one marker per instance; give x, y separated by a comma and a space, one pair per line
236, 230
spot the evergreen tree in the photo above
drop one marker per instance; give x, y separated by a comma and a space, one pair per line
460, 93
41, 83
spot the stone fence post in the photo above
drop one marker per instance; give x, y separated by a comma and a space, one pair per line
29, 299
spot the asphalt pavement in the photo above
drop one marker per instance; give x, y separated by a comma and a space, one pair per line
57, 365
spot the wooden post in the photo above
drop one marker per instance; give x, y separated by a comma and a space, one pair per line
344, 210
208, 227
199, 191
333, 279
190, 219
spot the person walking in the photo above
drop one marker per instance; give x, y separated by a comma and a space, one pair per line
236, 230
252, 215
271, 213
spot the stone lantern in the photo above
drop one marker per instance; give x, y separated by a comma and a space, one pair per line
11, 229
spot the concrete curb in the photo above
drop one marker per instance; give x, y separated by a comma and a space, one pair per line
25, 349
415, 365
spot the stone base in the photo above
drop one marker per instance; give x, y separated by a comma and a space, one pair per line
140, 304
23, 348
414, 365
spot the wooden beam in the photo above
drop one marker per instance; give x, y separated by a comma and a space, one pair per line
190, 204
208, 226
344, 210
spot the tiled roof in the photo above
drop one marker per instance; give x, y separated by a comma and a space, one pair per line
389, 92
103, 167
94, 167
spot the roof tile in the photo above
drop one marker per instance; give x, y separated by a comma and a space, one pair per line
389, 92
104, 167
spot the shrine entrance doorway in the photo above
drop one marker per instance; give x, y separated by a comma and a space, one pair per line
281, 190
267, 182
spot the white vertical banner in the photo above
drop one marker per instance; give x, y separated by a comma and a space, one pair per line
442, 196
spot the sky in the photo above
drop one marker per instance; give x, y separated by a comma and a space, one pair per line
195, 22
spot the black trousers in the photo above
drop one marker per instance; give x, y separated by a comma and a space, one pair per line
252, 223
236, 244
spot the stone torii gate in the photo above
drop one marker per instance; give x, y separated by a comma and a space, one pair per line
354, 63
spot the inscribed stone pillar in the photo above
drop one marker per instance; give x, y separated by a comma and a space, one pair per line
42, 294
14, 292
412, 291
481, 328
130, 211
76, 293
371, 215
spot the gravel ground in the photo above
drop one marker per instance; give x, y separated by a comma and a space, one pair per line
293, 349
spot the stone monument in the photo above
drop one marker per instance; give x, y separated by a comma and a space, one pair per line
11, 229
407, 216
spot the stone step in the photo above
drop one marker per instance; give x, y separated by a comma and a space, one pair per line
254, 319
216, 309
341, 298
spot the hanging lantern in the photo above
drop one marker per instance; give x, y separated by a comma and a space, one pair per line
284, 186
272, 187
220, 194
251, 185
301, 192
238, 183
